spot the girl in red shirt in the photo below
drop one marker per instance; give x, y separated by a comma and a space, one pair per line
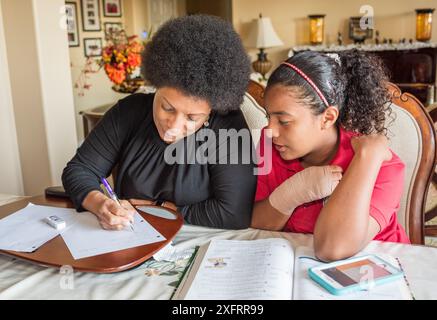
331, 172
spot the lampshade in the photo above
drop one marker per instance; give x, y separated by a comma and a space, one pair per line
263, 35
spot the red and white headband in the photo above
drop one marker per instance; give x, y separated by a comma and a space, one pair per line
307, 79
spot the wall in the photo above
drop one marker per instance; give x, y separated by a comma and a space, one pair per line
221, 8
393, 18
10, 169
136, 16
27, 100
40, 81
55, 79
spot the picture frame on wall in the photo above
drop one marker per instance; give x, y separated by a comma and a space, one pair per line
93, 47
112, 26
91, 20
72, 27
112, 8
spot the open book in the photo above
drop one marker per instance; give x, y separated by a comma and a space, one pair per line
266, 269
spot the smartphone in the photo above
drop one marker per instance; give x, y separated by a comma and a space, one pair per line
354, 274
57, 191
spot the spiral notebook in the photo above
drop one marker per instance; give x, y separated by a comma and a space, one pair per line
266, 269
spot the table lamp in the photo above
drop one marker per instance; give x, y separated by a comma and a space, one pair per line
263, 36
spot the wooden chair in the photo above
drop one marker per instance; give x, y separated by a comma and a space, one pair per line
253, 110
256, 90
431, 214
413, 138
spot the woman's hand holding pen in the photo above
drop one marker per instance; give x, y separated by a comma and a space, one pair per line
111, 215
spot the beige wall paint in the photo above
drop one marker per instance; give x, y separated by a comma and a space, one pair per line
55, 79
136, 18
10, 169
221, 8
26, 94
137, 14
393, 18
37, 55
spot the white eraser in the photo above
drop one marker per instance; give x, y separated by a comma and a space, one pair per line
56, 222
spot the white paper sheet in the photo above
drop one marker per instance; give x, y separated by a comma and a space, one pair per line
25, 230
86, 238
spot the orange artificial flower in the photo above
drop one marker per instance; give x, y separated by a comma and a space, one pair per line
133, 60
115, 75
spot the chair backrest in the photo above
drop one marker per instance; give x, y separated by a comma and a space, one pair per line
253, 112
413, 139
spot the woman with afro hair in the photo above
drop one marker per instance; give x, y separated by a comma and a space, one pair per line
200, 71
333, 174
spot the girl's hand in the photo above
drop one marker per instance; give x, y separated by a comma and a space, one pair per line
374, 146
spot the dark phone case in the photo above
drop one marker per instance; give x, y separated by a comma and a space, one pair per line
58, 191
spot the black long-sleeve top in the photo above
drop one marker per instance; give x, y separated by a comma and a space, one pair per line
215, 195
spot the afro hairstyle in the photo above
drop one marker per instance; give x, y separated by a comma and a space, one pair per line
203, 57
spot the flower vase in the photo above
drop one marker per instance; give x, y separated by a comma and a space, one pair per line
129, 85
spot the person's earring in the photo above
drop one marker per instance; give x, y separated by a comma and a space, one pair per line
206, 123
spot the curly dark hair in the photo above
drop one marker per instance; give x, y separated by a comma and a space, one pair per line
356, 84
203, 57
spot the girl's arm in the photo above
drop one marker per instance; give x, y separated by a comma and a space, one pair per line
310, 184
344, 225
266, 217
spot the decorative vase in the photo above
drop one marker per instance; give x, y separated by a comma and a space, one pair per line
129, 85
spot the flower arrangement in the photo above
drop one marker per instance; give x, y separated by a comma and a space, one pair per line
121, 60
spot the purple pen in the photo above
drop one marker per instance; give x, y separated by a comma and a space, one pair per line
112, 195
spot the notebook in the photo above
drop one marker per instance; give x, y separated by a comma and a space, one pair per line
266, 269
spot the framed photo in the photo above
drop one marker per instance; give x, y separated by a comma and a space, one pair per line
92, 47
358, 34
72, 27
112, 8
113, 26
91, 15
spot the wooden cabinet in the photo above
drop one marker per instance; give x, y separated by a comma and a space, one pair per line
413, 70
